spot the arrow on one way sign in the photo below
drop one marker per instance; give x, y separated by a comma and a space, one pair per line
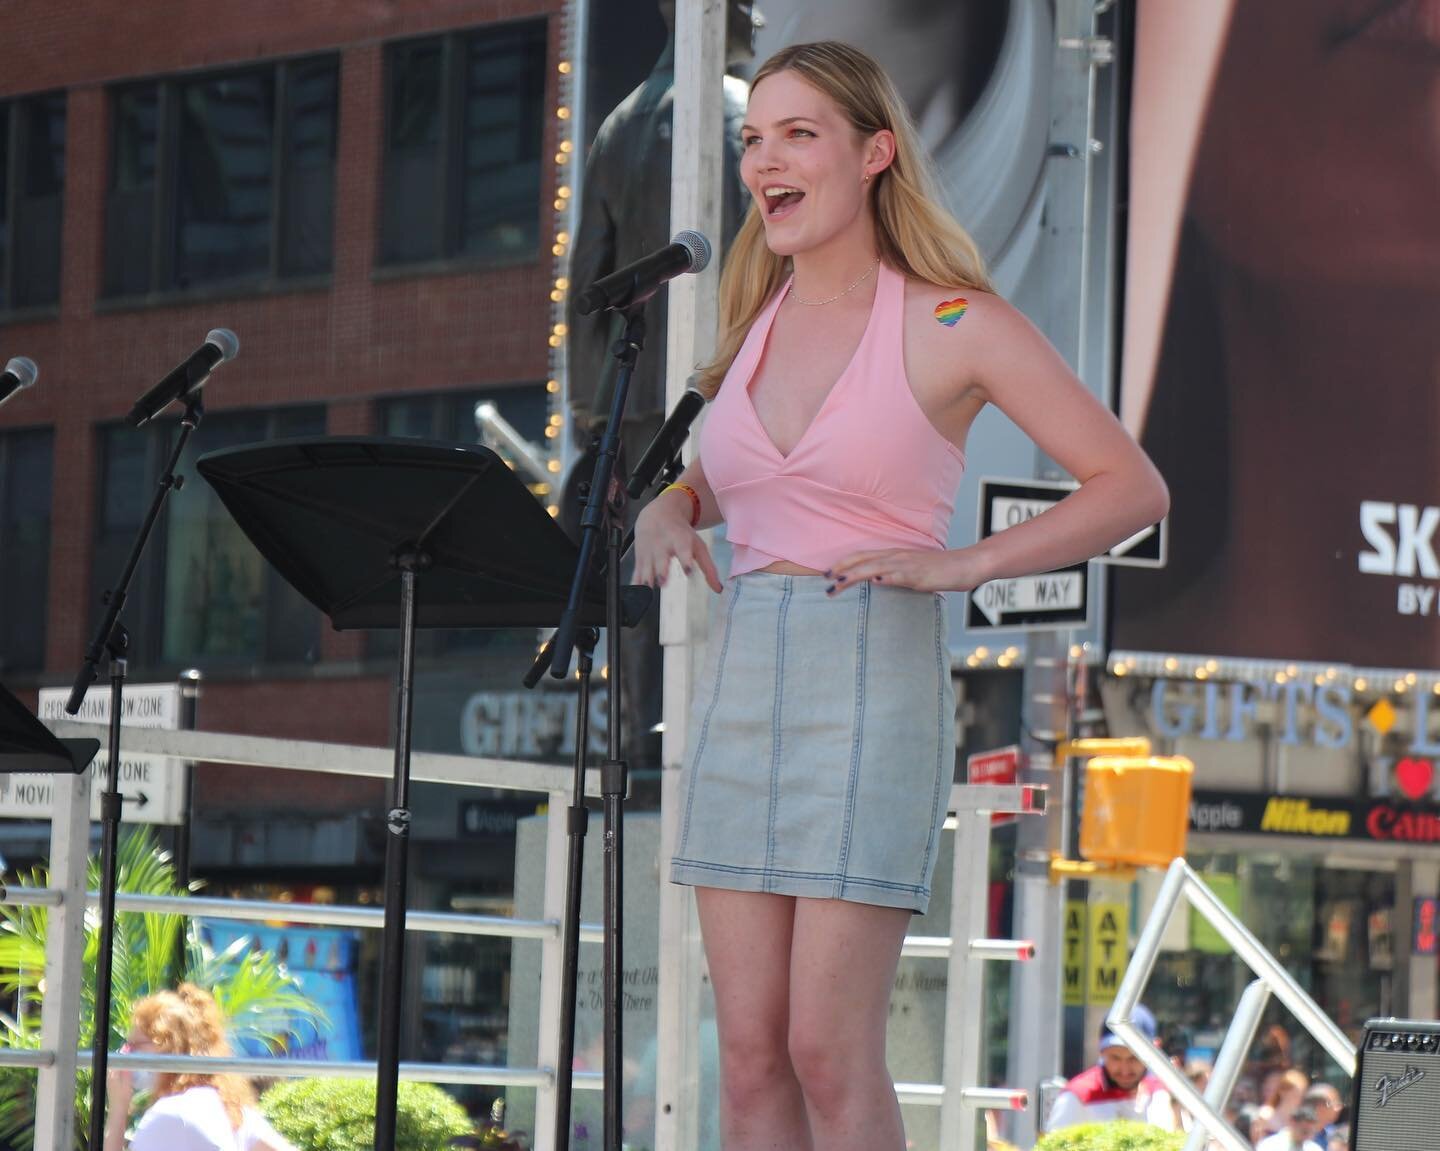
1053, 598
1147, 548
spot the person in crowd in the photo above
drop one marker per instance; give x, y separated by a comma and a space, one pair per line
1298, 1133
1243, 1117
1324, 1099
187, 1112
1198, 1072
1117, 1087
1284, 1094
859, 339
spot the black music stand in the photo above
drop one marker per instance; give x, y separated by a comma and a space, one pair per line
27, 745
354, 524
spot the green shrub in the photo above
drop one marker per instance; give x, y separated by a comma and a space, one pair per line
1113, 1136
339, 1115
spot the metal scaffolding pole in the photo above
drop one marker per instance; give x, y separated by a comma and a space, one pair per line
1071, 322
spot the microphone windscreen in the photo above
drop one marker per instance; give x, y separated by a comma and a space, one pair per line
226, 340
698, 247
23, 368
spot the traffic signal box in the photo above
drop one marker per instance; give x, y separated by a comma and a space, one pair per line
1137, 807
1137, 810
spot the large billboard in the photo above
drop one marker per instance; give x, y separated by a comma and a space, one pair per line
1282, 339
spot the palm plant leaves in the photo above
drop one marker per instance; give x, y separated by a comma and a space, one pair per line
260, 1000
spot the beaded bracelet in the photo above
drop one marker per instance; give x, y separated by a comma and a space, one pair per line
694, 499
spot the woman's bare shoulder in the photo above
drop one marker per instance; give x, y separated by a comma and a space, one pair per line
948, 331
953, 308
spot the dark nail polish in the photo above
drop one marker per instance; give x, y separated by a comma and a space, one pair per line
830, 590
878, 579
841, 579
826, 573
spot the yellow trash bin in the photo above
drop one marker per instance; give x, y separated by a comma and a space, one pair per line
1136, 811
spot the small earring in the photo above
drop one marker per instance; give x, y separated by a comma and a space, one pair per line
866, 180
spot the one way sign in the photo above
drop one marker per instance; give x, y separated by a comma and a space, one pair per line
1025, 499
1052, 600
1147, 548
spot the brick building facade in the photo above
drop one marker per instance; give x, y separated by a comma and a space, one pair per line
347, 340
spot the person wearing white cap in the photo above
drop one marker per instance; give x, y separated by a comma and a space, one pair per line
1116, 1087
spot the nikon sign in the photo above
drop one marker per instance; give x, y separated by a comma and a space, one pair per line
1316, 817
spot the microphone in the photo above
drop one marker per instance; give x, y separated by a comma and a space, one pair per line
666, 443
220, 345
19, 374
635, 283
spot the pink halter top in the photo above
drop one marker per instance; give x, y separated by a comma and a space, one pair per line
870, 471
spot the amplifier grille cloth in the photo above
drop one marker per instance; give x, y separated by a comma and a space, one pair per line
1398, 1101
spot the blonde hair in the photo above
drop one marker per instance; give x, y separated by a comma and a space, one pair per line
915, 233
1293, 1080
188, 1021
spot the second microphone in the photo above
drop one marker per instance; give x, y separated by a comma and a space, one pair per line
666, 444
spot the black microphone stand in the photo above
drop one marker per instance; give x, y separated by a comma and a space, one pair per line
112, 640
577, 824
604, 515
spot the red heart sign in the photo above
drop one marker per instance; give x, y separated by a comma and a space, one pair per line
1414, 777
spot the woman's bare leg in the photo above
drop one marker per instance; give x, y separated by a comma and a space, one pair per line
843, 961
747, 946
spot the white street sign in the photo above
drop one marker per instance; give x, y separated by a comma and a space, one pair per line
1147, 548
1013, 502
1053, 594
1049, 601
1006, 511
152, 787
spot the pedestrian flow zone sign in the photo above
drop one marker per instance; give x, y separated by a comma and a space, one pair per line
1055, 599
152, 787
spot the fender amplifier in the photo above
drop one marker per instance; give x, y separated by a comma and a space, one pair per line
1395, 1101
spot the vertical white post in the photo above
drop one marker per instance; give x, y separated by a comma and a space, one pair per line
965, 985
695, 195
552, 955
64, 955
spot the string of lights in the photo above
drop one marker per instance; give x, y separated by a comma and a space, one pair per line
569, 165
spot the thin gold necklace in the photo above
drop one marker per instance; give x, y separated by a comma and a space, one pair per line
865, 275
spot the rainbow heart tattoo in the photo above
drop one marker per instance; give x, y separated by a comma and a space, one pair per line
948, 312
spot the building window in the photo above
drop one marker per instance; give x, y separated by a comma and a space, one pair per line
227, 178
32, 182
25, 487
451, 416
202, 595
464, 129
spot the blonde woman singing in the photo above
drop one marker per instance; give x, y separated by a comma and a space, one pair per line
859, 340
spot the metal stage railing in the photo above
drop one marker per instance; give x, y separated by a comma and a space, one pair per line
1181, 882
957, 1095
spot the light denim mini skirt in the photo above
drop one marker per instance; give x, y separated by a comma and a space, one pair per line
821, 743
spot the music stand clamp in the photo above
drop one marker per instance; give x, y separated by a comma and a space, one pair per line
112, 641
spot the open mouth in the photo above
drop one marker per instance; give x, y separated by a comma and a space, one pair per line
781, 200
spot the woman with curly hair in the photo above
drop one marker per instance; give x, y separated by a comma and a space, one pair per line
188, 1112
